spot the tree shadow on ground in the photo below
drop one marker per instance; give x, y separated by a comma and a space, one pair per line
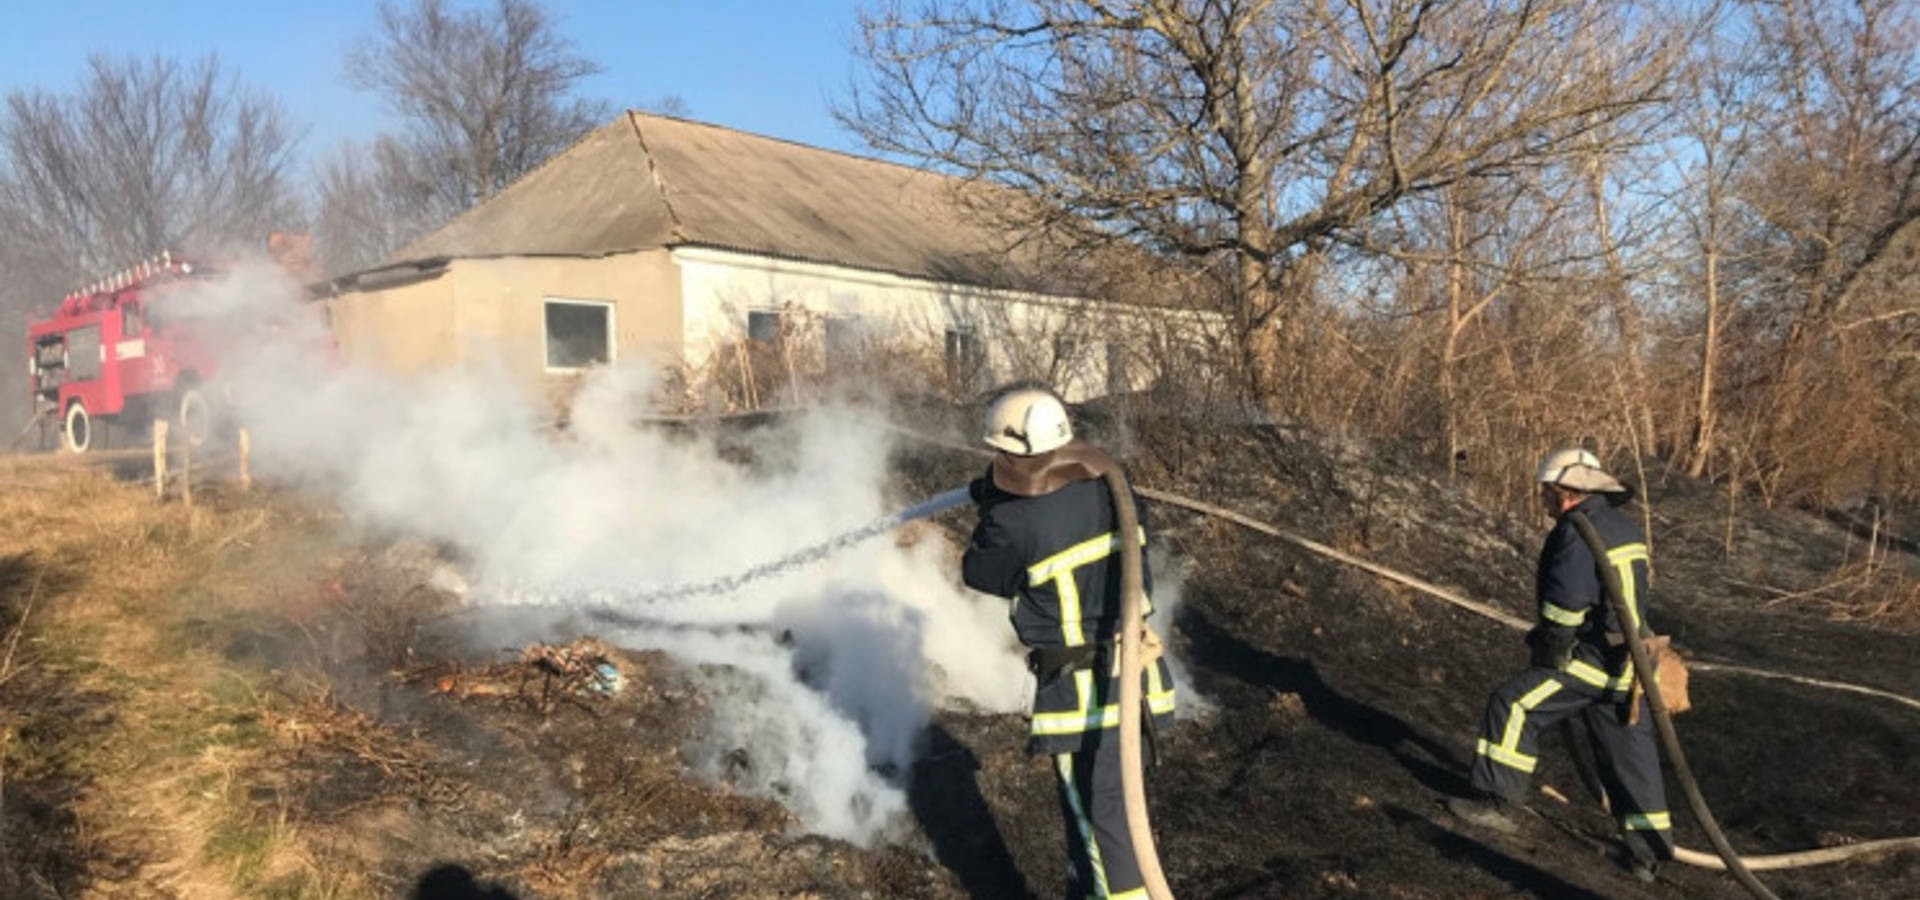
1215, 649
944, 794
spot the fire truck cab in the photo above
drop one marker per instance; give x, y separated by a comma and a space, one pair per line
113, 352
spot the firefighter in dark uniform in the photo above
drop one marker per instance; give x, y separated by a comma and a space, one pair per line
1046, 539
1579, 664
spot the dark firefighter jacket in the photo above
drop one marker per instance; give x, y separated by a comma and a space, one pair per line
1574, 610
1055, 553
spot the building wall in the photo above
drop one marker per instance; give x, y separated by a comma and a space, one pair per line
691, 307
500, 306
404, 330
493, 311
1063, 341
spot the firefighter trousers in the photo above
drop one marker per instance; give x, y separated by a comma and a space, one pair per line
1099, 847
1629, 761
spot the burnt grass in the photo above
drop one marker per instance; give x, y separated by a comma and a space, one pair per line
1345, 707
1340, 711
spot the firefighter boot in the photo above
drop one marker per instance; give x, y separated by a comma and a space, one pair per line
1637, 858
1490, 812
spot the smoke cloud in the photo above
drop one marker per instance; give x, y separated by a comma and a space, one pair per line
825, 697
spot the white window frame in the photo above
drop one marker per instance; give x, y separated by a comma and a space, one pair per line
546, 339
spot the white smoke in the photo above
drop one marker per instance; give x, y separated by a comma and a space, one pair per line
878, 635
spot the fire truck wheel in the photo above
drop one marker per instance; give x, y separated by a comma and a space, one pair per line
77, 432
196, 416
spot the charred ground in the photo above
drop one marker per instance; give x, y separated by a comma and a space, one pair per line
246, 699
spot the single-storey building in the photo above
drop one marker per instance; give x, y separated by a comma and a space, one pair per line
739, 261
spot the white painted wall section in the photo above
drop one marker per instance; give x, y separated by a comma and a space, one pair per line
1065, 341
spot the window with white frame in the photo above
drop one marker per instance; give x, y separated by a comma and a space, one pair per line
579, 334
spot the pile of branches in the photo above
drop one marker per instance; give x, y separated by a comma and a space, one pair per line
543, 675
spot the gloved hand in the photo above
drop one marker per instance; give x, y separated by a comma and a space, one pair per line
977, 488
1550, 647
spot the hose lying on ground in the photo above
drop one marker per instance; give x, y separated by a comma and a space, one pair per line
1795, 859
1663, 723
1799, 858
1499, 615
1133, 789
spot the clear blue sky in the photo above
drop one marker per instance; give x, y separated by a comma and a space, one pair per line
770, 67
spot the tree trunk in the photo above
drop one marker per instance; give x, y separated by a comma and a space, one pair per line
1449, 349
1261, 341
1626, 316
1703, 423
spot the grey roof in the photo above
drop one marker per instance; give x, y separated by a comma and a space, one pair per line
645, 181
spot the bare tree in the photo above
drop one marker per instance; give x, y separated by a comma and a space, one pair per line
668, 105
1715, 122
1828, 353
143, 155
373, 198
485, 95
1262, 133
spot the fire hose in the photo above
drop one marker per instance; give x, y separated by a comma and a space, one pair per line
1133, 788
1132, 704
1663, 723
1790, 860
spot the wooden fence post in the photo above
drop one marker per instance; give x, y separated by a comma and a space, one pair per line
186, 470
159, 459
245, 445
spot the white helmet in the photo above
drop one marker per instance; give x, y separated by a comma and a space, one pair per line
1579, 470
1027, 422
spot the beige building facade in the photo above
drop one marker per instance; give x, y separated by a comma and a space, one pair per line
736, 259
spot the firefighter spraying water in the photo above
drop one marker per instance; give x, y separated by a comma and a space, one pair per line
1051, 509
1049, 520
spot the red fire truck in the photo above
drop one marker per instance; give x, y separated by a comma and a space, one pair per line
112, 352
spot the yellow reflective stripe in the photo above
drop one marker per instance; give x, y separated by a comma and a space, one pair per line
1560, 615
1070, 630
1138, 893
1507, 751
1089, 550
1659, 821
1081, 720
1517, 712
1592, 675
1081, 823
1505, 757
1083, 691
1586, 673
1623, 557
1629, 552
1072, 558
